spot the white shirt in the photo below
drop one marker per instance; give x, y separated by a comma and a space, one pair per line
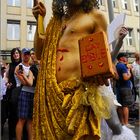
26, 70
2, 87
136, 74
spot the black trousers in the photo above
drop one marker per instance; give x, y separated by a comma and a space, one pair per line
4, 112
13, 115
12, 120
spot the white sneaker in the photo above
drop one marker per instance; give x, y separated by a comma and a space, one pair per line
130, 126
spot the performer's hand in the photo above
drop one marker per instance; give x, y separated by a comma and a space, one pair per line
38, 8
122, 33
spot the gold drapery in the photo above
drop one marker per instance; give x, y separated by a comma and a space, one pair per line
52, 120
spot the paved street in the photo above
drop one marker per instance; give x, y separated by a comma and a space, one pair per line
133, 120
136, 123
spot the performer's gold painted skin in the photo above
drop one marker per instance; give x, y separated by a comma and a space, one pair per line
75, 30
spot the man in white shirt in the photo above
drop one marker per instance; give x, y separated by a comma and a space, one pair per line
136, 72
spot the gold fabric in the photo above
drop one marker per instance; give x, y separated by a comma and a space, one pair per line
64, 111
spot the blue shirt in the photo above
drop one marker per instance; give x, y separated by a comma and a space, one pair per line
121, 69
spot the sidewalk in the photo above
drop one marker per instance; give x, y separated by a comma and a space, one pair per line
134, 121
135, 118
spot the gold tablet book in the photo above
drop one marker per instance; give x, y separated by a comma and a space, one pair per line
95, 56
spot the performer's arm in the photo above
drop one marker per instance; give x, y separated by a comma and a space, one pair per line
100, 22
38, 8
38, 45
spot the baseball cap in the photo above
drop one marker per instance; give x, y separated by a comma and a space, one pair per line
121, 55
25, 51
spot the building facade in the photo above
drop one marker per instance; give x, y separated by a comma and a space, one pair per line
18, 24
131, 9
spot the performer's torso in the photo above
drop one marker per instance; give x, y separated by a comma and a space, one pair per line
68, 60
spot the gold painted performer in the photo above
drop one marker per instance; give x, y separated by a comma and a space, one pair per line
65, 107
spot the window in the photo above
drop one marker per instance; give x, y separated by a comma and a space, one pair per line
129, 37
14, 2
114, 3
124, 4
101, 2
13, 30
29, 3
136, 5
31, 27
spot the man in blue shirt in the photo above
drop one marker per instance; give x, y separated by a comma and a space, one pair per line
124, 92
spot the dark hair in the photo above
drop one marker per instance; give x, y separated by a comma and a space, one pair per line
2, 67
121, 55
137, 56
86, 5
32, 49
12, 53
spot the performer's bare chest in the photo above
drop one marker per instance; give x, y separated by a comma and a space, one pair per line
82, 23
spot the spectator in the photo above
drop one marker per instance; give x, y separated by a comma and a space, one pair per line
2, 98
3, 81
34, 65
130, 67
124, 92
136, 73
34, 58
12, 90
25, 103
119, 42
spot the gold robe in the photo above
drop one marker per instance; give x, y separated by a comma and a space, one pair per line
67, 111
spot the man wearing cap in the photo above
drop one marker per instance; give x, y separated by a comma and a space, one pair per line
24, 77
34, 60
124, 92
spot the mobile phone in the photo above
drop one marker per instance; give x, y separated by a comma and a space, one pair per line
20, 68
